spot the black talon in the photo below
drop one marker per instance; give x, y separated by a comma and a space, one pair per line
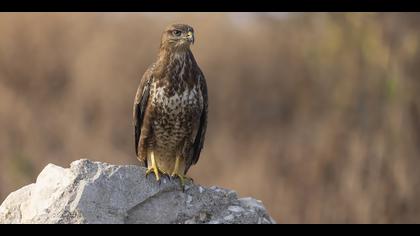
167, 177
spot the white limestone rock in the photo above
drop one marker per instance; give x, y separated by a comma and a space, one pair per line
95, 192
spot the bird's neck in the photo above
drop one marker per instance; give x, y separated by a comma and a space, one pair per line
175, 58
175, 65
173, 55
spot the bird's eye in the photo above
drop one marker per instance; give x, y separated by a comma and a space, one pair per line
176, 33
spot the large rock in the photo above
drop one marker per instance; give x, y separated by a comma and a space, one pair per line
94, 192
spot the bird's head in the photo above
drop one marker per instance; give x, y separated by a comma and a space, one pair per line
178, 36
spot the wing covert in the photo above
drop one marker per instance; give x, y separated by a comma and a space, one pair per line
199, 140
140, 105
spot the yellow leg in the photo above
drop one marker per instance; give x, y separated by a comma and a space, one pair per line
176, 168
177, 172
154, 166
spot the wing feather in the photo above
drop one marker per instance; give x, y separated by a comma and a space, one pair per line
140, 105
199, 139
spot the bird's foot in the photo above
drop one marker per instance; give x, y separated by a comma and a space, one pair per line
158, 173
155, 169
182, 179
179, 172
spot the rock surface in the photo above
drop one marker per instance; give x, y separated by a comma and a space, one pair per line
94, 192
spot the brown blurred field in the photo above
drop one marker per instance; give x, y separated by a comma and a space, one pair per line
317, 115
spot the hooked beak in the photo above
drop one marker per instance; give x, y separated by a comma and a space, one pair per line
190, 37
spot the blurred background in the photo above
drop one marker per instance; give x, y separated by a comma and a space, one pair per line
316, 114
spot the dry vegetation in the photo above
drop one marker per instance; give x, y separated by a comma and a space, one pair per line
318, 115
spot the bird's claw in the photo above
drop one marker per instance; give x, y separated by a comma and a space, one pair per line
158, 173
182, 179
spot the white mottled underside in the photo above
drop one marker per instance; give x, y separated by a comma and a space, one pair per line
178, 102
176, 123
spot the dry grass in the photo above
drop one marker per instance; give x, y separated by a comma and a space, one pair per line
318, 115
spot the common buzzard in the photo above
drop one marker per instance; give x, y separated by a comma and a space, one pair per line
170, 107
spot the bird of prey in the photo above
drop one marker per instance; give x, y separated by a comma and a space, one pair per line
170, 108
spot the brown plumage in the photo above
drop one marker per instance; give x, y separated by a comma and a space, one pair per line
170, 107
